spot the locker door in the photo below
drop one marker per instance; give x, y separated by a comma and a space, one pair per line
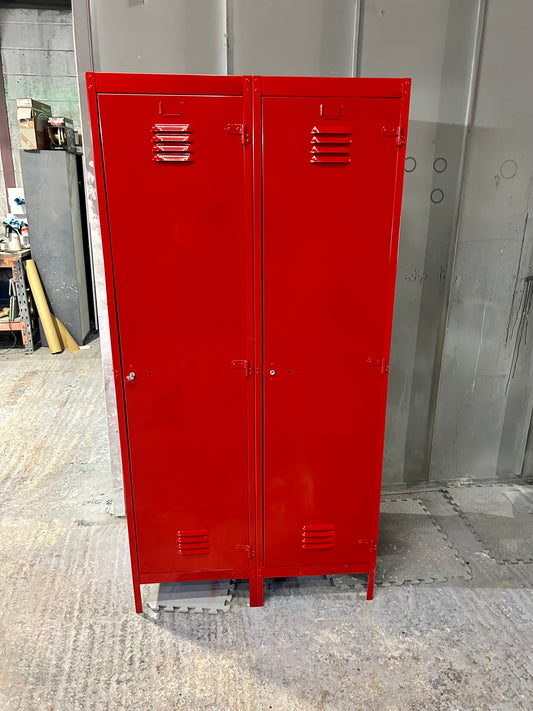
175, 191
328, 190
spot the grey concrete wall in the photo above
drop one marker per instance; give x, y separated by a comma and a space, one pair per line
484, 404
83, 40
437, 424
159, 36
38, 61
433, 42
299, 38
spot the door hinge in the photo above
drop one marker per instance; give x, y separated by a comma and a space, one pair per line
242, 364
371, 544
245, 548
379, 363
397, 132
238, 129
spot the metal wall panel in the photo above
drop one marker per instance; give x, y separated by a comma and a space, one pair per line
169, 36
431, 41
434, 41
298, 38
81, 25
53, 208
484, 403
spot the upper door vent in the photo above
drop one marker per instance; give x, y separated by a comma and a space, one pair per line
172, 142
330, 144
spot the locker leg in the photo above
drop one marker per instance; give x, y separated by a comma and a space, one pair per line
371, 579
256, 591
137, 596
253, 591
259, 597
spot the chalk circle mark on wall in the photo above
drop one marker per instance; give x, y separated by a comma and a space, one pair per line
509, 168
410, 164
440, 164
437, 196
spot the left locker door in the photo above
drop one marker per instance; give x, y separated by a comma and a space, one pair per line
174, 179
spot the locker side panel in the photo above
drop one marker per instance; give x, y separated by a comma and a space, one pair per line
329, 183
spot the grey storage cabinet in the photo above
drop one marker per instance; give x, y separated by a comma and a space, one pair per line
56, 236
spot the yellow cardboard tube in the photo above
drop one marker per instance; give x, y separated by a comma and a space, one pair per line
65, 337
42, 307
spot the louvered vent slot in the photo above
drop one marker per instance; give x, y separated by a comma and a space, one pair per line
330, 144
318, 536
193, 541
172, 142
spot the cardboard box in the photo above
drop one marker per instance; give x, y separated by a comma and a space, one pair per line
32, 116
61, 134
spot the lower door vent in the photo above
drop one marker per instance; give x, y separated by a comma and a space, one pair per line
193, 541
318, 536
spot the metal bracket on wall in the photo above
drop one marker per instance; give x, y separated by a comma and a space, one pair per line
24, 310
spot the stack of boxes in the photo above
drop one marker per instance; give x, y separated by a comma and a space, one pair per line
39, 130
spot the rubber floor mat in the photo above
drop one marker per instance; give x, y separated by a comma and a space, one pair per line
211, 595
501, 517
413, 548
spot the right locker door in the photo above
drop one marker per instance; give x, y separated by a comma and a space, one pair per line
329, 174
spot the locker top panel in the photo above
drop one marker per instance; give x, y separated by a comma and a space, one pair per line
194, 84
356, 87
233, 85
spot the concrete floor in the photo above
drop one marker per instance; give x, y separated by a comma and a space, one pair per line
70, 638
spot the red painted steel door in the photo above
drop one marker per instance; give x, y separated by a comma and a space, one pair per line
179, 265
328, 188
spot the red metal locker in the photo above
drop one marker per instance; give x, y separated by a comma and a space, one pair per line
250, 318
329, 197
177, 256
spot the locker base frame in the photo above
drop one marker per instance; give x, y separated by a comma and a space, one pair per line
257, 581
341, 569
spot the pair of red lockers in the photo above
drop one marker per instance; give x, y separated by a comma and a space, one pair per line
250, 232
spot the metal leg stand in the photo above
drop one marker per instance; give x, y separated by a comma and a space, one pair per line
372, 573
22, 298
256, 590
137, 596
